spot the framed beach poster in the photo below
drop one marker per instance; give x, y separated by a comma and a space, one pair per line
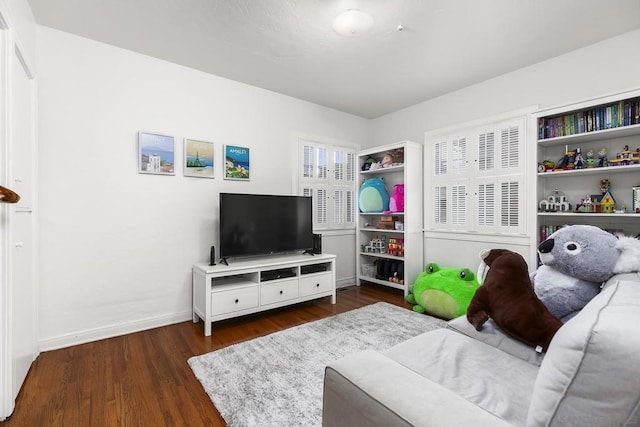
198, 158
236, 162
155, 154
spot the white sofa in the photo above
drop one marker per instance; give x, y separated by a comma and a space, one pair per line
590, 375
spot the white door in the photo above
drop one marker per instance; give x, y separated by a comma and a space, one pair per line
22, 225
18, 311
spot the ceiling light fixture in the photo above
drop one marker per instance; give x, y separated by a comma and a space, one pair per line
352, 22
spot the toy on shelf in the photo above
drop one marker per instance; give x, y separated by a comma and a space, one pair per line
387, 222
548, 165
377, 245
396, 201
578, 162
395, 247
635, 199
626, 157
373, 196
602, 157
555, 202
566, 162
367, 163
590, 161
598, 203
607, 202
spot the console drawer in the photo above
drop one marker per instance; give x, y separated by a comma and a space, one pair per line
314, 284
281, 290
234, 300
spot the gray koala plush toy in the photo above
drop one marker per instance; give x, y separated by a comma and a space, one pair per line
576, 260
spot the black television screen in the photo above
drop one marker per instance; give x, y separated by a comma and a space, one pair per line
258, 224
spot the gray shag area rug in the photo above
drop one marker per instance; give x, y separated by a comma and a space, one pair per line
277, 379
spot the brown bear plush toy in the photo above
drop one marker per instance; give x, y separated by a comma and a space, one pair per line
507, 297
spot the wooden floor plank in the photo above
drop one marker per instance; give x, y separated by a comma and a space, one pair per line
143, 379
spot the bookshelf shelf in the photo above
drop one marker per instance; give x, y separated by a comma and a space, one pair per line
592, 171
407, 242
589, 215
609, 125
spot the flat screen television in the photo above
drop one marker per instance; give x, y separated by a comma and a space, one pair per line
261, 224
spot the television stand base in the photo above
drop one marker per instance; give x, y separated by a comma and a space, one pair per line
224, 261
252, 285
309, 251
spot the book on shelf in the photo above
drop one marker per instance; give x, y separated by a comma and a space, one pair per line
601, 117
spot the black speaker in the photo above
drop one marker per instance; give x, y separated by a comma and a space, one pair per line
317, 243
212, 256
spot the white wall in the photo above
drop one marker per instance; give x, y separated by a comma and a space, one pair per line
117, 246
598, 70
601, 69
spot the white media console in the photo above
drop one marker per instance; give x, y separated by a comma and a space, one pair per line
256, 284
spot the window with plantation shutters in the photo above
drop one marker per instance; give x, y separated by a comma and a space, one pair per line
486, 205
509, 146
486, 147
327, 174
440, 205
476, 183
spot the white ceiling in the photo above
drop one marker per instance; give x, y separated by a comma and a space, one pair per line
289, 46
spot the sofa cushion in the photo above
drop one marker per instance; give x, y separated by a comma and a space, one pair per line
491, 334
471, 369
591, 373
370, 389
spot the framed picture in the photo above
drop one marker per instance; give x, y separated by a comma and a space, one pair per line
236, 162
155, 154
198, 158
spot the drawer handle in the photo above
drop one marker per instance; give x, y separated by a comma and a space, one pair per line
280, 292
317, 285
237, 300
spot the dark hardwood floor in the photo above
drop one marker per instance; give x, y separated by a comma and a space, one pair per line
143, 379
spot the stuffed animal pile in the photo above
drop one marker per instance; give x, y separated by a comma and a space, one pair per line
576, 260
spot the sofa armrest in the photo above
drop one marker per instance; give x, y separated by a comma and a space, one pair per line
369, 389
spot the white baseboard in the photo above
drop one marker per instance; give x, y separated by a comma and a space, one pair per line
344, 282
111, 331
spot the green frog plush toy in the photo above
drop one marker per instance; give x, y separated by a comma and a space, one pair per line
443, 292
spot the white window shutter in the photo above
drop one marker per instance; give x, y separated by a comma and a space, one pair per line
323, 164
459, 156
509, 147
486, 205
486, 151
351, 207
440, 158
328, 175
458, 204
321, 207
510, 204
308, 162
440, 205
339, 166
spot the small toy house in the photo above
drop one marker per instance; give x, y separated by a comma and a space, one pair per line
607, 203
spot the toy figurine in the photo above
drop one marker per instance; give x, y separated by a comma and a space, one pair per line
590, 162
387, 160
602, 156
578, 162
